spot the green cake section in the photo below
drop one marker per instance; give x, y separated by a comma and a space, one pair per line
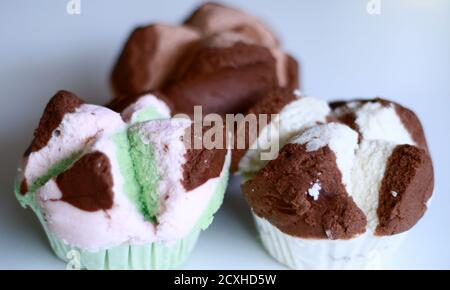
54, 170
146, 171
146, 114
141, 177
126, 165
24, 200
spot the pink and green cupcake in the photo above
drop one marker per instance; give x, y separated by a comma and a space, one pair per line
120, 195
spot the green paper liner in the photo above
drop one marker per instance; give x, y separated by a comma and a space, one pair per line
152, 256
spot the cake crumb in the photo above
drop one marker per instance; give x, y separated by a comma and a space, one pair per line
314, 191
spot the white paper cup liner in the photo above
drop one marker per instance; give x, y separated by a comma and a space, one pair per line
364, 252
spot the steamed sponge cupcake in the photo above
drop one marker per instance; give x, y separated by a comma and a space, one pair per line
123, 196
343, 195
220, 58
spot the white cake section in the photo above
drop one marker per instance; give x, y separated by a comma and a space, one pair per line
368, 173
342, 140
76, 129
382, 123
122, 224
130, 114
376, 121
295, 117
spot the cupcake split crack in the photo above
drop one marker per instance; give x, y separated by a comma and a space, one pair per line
380, 119
367, 171
177, 182
287, 115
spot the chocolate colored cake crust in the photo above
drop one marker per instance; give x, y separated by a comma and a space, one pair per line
88, 184
405, 190
279, 193
224, 80
61, 103
202, 164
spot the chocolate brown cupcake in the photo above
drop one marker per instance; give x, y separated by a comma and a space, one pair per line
219, 58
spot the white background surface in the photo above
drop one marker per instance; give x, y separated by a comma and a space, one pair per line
402, 54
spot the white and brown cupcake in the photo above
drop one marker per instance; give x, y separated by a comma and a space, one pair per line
342, 195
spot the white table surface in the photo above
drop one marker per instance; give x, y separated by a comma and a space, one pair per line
402, 54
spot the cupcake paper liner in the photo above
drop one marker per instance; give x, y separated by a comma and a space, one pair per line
152, 256
364, 252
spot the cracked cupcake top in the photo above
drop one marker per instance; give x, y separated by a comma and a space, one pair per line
367, 170
99, 181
